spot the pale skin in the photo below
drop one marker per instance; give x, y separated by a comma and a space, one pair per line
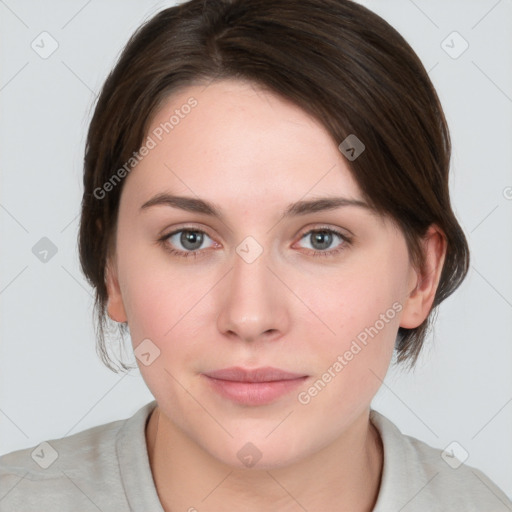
252, 154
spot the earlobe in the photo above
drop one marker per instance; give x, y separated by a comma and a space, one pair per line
115, 306
418, 303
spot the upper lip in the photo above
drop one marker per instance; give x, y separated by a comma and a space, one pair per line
263, 374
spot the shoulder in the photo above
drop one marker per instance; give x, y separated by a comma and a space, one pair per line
419, 477
75, 472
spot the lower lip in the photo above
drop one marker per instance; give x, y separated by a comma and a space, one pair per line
254, 393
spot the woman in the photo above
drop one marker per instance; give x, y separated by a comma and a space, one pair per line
233, 143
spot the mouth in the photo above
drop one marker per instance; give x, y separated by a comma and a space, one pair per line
253, 387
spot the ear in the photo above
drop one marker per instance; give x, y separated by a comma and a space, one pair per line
115, 306
424, 283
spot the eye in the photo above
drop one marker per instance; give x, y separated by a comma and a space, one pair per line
190, 239
322, 238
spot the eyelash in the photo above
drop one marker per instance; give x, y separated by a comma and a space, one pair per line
198, 252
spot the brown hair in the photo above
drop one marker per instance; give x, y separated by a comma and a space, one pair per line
335, 59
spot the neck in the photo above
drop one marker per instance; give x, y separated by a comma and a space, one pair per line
343, 476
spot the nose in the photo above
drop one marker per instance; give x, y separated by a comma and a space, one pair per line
253, 301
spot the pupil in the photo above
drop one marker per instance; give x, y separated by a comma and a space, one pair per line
193, 238
323, 238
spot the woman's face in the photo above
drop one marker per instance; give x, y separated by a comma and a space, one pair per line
255, 287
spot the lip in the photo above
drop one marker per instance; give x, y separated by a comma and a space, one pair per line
257, 386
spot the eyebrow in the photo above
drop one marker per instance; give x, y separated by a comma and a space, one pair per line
303, 207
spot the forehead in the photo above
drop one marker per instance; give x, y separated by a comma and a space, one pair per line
234, 141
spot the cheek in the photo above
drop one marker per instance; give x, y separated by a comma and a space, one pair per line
171, 308
162, 309
352, 363
358, 300
361, 305
156, 294
149, 307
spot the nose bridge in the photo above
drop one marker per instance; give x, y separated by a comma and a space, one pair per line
251, 280
253, 302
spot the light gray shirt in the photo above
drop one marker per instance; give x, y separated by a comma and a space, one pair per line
106, 468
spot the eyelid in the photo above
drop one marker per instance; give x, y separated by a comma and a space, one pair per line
327, 227
302, 232
186, 227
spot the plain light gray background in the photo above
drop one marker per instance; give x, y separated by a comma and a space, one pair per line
53, 384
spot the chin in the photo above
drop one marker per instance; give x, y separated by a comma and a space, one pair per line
258, 455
